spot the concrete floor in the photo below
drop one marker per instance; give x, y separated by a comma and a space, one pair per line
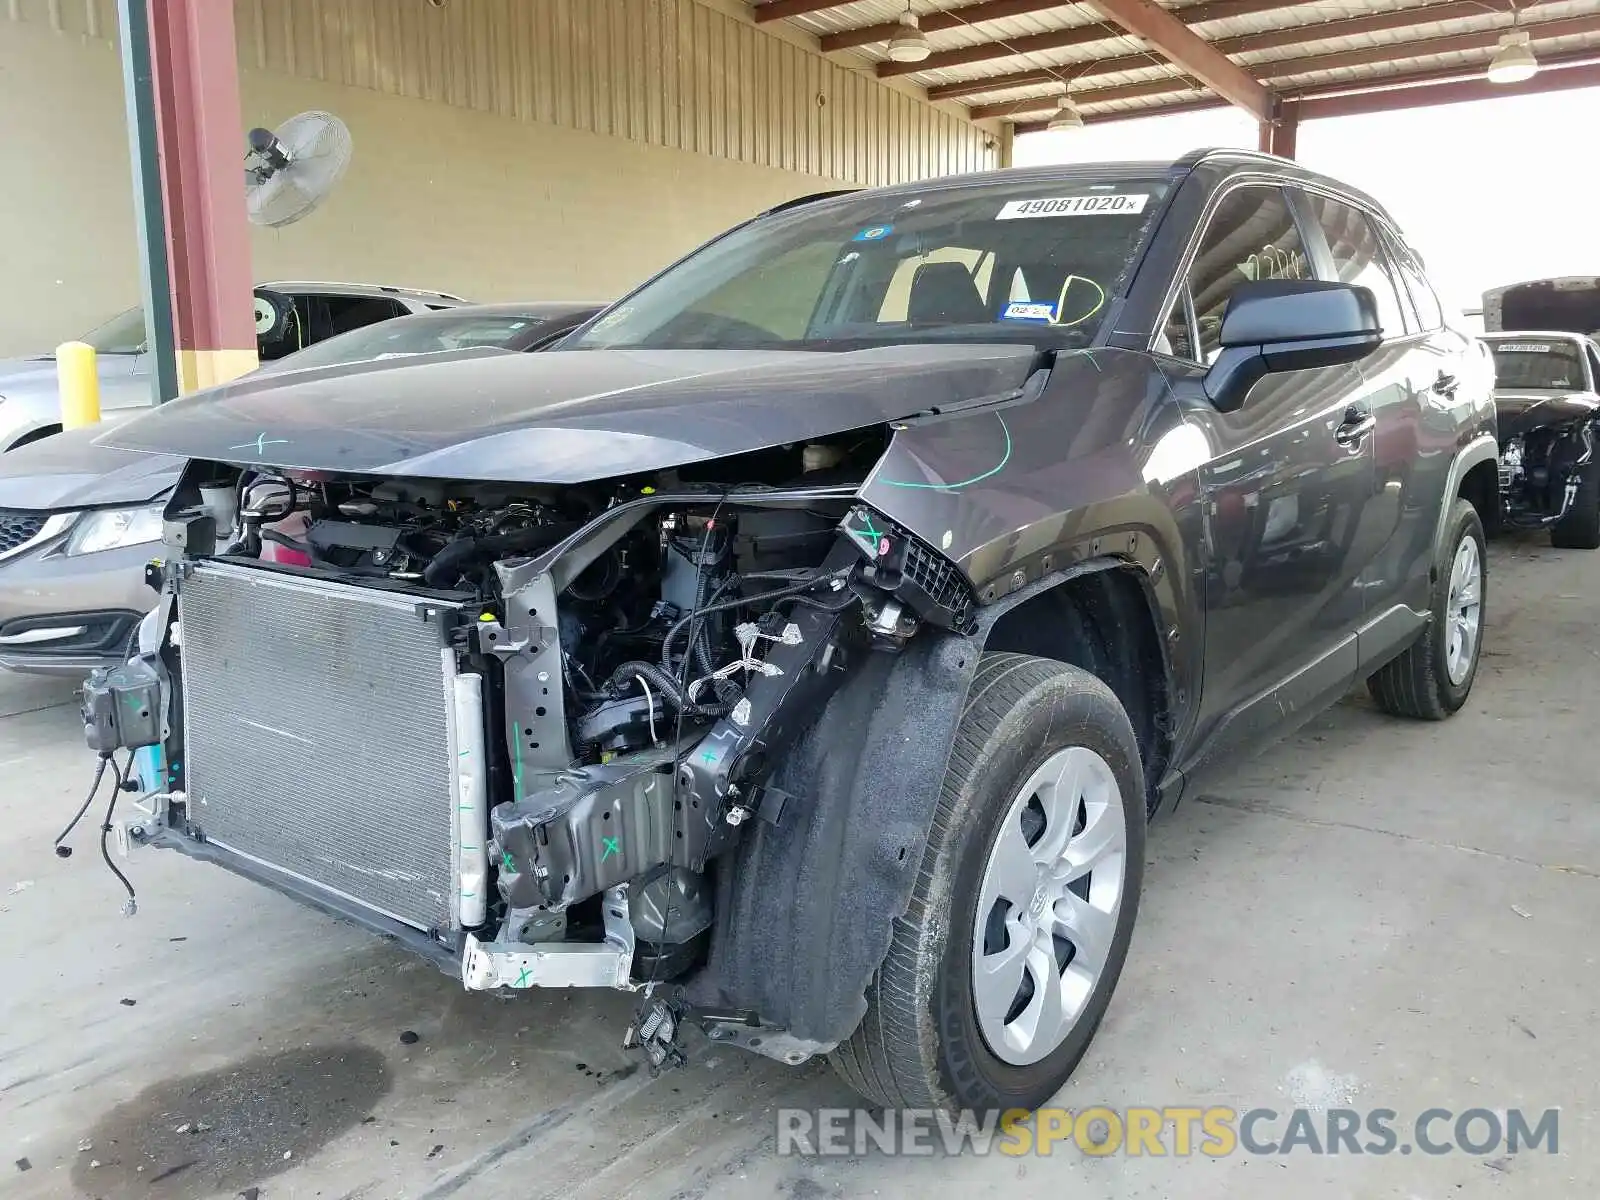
1376, 914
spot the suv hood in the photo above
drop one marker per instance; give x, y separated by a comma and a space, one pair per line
1519, 411
69, 470
566, 416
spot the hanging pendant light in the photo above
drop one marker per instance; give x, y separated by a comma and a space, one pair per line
1514, 61
1067, 115
909, 44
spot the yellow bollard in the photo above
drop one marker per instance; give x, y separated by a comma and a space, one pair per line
79, 384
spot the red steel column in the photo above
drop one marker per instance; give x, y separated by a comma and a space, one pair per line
1277, 135
202, 181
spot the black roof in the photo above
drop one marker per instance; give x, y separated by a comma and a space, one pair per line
1228, 158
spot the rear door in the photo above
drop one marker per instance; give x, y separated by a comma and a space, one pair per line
1394, 538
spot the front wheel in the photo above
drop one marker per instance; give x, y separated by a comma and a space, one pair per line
1430, 681
1003, 965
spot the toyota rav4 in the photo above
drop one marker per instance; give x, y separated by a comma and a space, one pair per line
804, 644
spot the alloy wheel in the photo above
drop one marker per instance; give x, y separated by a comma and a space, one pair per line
1464, 610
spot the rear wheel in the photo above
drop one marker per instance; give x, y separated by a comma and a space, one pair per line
1580, 528
1430, 681
1003, 965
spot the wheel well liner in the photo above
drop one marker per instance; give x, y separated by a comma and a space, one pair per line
1481, 450
1104, 622
806, 908
1480, 487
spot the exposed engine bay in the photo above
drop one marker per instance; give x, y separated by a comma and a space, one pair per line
1541, 470
623, 666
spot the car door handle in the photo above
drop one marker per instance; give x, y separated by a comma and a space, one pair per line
1358, 422
1446, 384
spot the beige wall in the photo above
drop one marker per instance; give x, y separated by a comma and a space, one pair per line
503, 148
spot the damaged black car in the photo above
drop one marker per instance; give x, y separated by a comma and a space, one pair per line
1547, 394
803, 644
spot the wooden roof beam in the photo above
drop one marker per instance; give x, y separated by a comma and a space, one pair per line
1413, 89
1424, 95
1283, 68
934, 22
1187, 50
996, 10
778, 10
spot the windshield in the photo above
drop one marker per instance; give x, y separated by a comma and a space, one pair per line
1035, 262
412, 335
1550, 366
123, 334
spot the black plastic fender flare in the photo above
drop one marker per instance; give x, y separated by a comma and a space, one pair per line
805, 910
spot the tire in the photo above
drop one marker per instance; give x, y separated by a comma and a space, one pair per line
922, 1043
1580, 528
1419, 684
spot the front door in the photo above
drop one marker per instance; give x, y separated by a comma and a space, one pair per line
1284, 491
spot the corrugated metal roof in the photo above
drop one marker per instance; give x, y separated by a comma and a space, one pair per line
1008, 63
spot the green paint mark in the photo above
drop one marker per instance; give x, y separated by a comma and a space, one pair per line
611, 848
523, 977
516, 775
505, 861
1005, 457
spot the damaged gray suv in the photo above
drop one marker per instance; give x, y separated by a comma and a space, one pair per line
804, 644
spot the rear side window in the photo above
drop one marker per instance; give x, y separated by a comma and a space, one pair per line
1423, 298
352, 312
1359, 257
1252, 235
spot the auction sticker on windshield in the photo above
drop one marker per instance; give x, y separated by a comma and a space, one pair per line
1112, 203
1527, 348
1029, 310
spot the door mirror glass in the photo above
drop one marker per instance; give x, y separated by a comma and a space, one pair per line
1290, 325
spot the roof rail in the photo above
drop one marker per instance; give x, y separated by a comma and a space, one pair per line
1197, 156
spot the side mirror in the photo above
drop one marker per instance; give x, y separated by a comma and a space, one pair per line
1289, 325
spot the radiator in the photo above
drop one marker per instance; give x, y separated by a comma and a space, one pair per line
319, 736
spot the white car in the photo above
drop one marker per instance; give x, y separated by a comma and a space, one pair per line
30, 405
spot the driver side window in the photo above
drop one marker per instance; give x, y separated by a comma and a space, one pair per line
1252, 235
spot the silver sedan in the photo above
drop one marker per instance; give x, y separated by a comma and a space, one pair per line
79, 522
